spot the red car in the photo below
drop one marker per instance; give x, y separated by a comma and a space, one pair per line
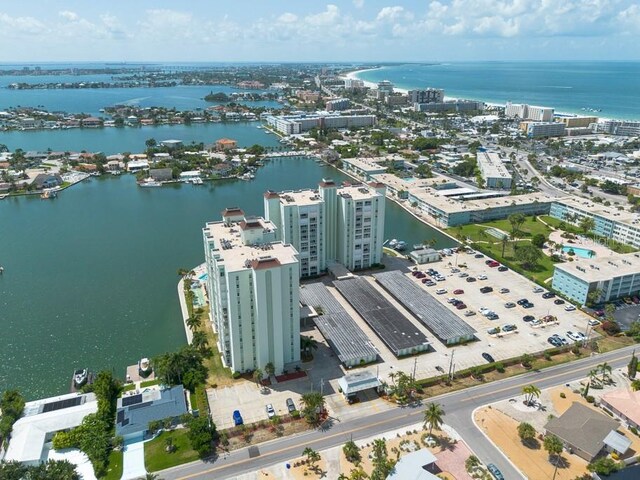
458, 292
494, 264
461, 306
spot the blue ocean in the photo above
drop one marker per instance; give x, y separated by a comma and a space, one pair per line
610, 88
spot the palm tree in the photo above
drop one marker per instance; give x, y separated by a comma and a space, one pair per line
433, 416
593, 375
530, 391
193, 322
553, 445
270, 369
605, 370
199, 340
313, 457
307, 344
257, 376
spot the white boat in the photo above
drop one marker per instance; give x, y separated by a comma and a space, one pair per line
3, 196
48, 193
393, 243
80, 377
197, 181
144, 366
400, 246
149, 182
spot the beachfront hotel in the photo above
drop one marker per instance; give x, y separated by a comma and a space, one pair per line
615, 277
528, 112
493, 171
332, 224
253, 285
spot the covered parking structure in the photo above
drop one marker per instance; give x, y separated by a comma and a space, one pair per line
443, 323
344, 336
396, 331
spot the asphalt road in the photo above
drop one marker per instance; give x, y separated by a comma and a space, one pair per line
458, 406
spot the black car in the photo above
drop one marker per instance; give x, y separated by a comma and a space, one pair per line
479, 255
528, 318
471, 279
558, 301
291, 406
522, 301
548, 295
486, 289
555, 341
502, 268
488, 357
527, 305
487, 262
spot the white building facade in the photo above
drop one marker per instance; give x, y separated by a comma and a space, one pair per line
528, 112
493, 170
253, 286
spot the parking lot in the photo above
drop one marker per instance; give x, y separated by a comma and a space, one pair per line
324, 371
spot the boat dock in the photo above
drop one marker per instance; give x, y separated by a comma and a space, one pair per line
90, 378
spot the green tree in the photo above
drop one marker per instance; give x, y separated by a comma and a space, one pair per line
194, 322
528, 256
270, 369
313, 457
587, 224
605, 371
107, 388
433, 417
182, 367
593, 297
307, 344
553, 446
605, 466
352, 452
202, 432
257, 377
151, 143
526, 432
11, 405
632, 367
538, 240
199, 341
382, 466
609, 312
530, 392
526, 360
313, 405
516, 220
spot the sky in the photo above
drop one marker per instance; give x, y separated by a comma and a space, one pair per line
312, 30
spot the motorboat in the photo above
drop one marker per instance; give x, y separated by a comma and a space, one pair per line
80, 377
149, 182
400, 245
144, 367
48, 193
393, 243
197, 181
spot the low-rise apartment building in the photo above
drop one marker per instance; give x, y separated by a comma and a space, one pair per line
295, 124
493, 170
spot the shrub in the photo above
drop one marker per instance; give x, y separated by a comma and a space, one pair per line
562, 395
500, 367
611, 328
236, 375
590, 398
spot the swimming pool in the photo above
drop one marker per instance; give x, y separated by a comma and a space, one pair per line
203, 277
580, 252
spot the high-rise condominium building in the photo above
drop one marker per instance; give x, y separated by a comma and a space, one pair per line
253, 286
333, 224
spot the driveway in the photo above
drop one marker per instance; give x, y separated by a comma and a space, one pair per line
133, 460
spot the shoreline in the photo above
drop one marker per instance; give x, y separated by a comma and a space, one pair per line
355, 75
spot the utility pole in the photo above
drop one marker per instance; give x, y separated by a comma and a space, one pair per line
415, 364
321, 386
451, 365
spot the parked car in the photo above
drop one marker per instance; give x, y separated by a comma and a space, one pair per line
461, 306
555, 341
528, 318
463, 274
441, 291
486, 289
488, 357
594, 323
458, 291
497, 474
455, 270
509, 305
270, 411
527, 305
430, 283
558, 301
509, 327
494, 331
482, 277
291, 406
479, 255
538, 289
504, 290
494, 264
548, 295
522, 301
469, 313
502, 268
576, 336
425, 280
570, 308
535, 323
237, 418
493, 316
471, 279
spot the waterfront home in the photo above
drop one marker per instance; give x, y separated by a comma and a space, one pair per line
137, 165
4, 187
136, 411
91, 122
171, 143
222, 169
32, 433
114, 166
46, 180
225, 144
161, 174
87, 167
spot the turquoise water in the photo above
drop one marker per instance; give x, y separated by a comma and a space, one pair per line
580, 252
117, 140
567, 86
90, 278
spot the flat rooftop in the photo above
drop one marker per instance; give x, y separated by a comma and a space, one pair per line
358, 192
300, 197
228, 244
398, 183
367, 164
393, 328
440, 321
611, 213
437, 200
604, 268
491, 165
341, 331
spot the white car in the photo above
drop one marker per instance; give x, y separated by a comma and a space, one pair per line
576, 336
569, 308
441, 291
482, 277
463, 274
469, 313
594, 323
270, 411
538, 290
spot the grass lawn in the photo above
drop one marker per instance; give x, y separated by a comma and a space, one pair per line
148, 383
114, 470
476, 232
156, 457
129, 387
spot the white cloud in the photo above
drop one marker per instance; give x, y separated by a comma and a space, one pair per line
10, 26
288, 18
69, 16
328, 17
393, 13
358, 3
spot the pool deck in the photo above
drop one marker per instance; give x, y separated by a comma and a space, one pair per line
582, 243
199, 271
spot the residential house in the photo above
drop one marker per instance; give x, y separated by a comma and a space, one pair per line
47, 180
161, 174
225, 144
414, 466
135, 412
625, 404
586, 432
